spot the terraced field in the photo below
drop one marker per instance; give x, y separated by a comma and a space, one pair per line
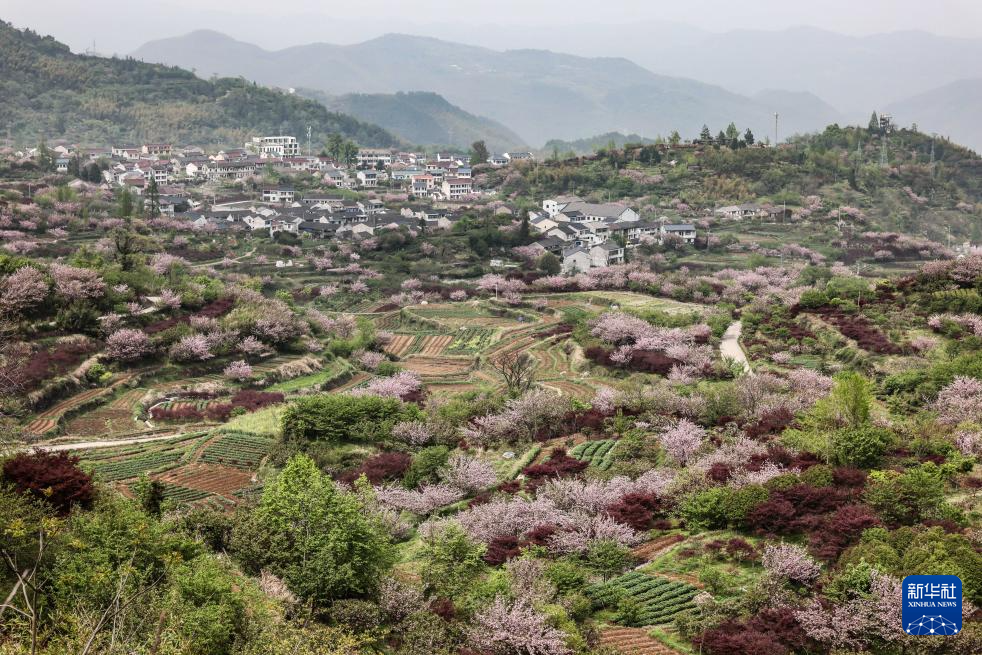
438, 366
49, 419
599, 453
128, 462
433, 345
208, 479
401, 344
242, 450
633, 641
660, 598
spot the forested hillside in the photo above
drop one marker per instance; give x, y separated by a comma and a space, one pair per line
47, 91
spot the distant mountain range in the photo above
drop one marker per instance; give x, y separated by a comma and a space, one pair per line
951, 110
421, 117
540, 95
46, 91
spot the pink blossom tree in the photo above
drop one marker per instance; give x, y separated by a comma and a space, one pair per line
127, 345
790, 562
251, 346
960, 401
413, 433
169, 299
238, 370
516, 628
22, 290
193, 347
73, 283
469, 474
401, 386
682, 441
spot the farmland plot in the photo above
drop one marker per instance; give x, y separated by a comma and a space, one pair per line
599, 453
660, 599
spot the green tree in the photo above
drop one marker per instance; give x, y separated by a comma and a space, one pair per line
860, 446
705, 135
124, 203
45, 158
608, 558
316, 537
909, 497
152, 204
150, 493
479, 153
732, 133
748, 137
874, 124
549, 264
425, 466
675, 138
524, 229
450, 561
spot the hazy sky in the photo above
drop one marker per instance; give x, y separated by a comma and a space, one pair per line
121, 27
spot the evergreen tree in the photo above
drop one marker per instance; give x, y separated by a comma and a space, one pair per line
124, 207
45, 158
479, 153
732, 132
748, 137
525, 229
705, 135
153, 199
721, 138
874, 124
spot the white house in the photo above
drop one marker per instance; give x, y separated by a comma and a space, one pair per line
275, 146
686, 232
456, 187
279, 194
367, 178
746, 210
553, 206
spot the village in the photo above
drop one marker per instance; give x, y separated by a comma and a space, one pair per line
358, 194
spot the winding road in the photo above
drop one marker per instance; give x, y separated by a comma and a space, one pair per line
730, 346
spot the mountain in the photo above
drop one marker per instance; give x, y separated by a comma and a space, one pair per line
951, 111
857, 74
421, 117
539, 94
46, 91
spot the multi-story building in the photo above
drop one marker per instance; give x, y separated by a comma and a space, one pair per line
275, 146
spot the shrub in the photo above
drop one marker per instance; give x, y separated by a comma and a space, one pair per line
771, 631
863, 446
379, 468
338, 417
54, 478
559, 465
909, 497
637, 510
426, 466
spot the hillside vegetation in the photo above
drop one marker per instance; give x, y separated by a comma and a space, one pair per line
421, 117
46, 90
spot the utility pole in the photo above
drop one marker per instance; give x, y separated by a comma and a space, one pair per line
775, 129
308, 141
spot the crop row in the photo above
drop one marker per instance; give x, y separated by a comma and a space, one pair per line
658, 599
180, 494
470, 341
154, 461
598, 453
238, 449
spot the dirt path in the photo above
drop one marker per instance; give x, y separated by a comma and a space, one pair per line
730, 346
107, 443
